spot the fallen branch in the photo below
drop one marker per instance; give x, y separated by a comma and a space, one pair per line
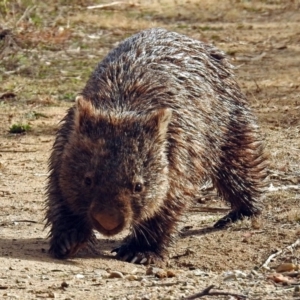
265, 265
207, 292
25, 221
290, 247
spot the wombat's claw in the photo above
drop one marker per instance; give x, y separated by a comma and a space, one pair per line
143, 258
67, 244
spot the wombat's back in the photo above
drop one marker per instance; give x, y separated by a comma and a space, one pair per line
156, 69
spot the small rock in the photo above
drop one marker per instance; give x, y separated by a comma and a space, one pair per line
79, 276
161, 274
144, 282
230, 275
131, 277
240, 274
115, 274
199, 272
256, 223
285, 267
100, 272
279, 278
171, 273
153, 270
64, 285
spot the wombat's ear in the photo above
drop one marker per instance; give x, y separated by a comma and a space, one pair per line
159, 120
84, 106
84, 110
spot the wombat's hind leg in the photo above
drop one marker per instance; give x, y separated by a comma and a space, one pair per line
240, 178
68, 235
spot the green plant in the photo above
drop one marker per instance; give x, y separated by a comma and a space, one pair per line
19, 128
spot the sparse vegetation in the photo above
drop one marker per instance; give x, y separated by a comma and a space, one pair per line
19, 128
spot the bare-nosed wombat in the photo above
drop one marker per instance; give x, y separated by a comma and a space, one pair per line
160, 115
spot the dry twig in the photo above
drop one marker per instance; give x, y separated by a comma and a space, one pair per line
26, 14
265, 265
207, 292
25, 221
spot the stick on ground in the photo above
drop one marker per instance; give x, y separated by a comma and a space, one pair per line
290, 248
207, 292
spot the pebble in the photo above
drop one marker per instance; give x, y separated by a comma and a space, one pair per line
171, 273
132, 277
161, 274
153, 270
100, 272
285, 267
144, 282
64, 284
231, 275
199, 272
115, 274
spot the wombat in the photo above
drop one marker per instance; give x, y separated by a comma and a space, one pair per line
159, 116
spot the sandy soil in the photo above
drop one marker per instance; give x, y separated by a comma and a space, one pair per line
45, 61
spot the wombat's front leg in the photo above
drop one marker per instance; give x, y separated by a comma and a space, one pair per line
145, 245
149, 239
69, 233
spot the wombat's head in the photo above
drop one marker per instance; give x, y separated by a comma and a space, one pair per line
114, 167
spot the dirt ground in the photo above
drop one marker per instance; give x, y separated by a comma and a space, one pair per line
45, 59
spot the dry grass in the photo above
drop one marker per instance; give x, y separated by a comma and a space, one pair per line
109, 20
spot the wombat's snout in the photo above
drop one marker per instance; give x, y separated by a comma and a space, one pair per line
108, 222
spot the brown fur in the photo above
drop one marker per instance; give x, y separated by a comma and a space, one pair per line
160, 115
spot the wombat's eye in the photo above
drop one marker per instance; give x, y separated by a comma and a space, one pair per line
87, 181
138, 187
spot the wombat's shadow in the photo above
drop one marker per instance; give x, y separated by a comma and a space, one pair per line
203, 231
36, 249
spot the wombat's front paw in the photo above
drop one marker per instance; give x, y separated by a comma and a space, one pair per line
68, 243
125, 253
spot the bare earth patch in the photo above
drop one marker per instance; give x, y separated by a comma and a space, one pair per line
47, 52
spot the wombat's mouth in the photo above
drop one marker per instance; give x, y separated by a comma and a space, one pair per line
108, 224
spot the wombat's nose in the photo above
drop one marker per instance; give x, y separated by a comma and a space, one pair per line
108, 221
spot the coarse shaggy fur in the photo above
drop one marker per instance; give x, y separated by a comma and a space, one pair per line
160, 115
